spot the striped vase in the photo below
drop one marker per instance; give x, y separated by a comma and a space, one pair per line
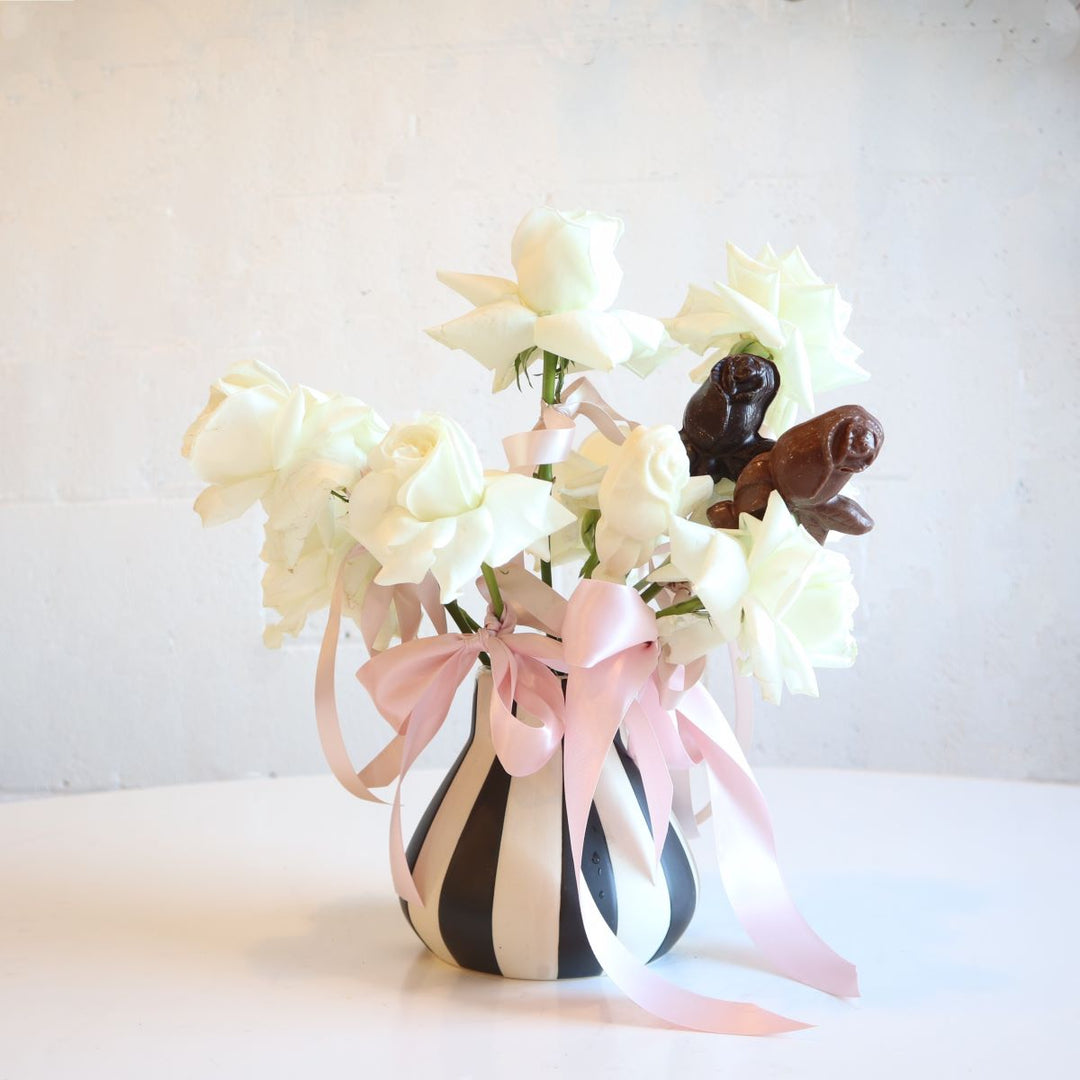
491, 861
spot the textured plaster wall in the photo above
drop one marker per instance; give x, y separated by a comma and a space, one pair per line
186, 183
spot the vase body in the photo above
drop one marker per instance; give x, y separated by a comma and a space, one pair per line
491, 861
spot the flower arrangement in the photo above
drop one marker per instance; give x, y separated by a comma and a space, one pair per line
676, 541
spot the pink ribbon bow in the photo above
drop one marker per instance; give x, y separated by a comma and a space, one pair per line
413, 686
611, 652
616, 677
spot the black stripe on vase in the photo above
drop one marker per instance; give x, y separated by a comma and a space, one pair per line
468, 892
674, 861
412, 852
576, 957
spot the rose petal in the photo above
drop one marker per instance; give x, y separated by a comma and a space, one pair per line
493, 334
478, 289
457, 563
523, 511
566, 261
715, 565
757, 281
225, 502
589, 339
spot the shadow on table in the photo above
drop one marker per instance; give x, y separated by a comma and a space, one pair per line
370, 942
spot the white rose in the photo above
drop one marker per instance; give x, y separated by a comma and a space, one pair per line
248, 428
331, 451
426, 505
258, 438
566, 261
798, 606
780, 302
645, 486
295, 587
686, 638
714, 563
577, 487
567, 279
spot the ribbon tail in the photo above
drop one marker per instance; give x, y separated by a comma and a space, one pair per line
592, 719
644, 747
428, 590
746, 852
664, 999
682, 803
744, 702
526, 709
326, 711
404, 885
385, 767
373, 612
424, 721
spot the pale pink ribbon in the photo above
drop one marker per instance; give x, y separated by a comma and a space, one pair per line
744, 702
409, 602
413, 686
553, 437
746, 850
615, 678
611, 652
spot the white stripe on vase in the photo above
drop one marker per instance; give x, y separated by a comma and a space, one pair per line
446, 828
644, 906
528, 884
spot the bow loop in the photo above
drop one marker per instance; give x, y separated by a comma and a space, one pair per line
604, 620
552, 439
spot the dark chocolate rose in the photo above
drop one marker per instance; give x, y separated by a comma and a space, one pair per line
721, 421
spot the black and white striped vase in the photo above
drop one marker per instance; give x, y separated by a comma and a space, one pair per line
491, 861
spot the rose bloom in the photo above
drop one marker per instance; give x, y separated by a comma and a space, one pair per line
647, 484
295, 586
336, 436
567, 280
257, 438
577, 487
799, 605
778, 301
245, 431
427, 505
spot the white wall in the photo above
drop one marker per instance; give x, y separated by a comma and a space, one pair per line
190, 182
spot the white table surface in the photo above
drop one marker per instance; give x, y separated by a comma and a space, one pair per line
249, 929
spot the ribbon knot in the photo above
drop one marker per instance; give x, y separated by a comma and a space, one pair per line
499, 624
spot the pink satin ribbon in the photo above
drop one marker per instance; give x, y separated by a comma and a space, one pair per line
553, 437
744, 702
616, 677
413, 686
610, 647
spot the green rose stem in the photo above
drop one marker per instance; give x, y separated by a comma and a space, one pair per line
549, 393
651, 591
497, 606
588, 538
687, 607
751, 346
467, 625
465, 622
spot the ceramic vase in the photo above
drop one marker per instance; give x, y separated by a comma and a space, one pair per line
491, 861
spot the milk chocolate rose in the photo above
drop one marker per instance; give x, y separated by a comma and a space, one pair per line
808, 466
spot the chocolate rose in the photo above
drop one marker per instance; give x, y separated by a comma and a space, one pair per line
721, 421
809, 465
